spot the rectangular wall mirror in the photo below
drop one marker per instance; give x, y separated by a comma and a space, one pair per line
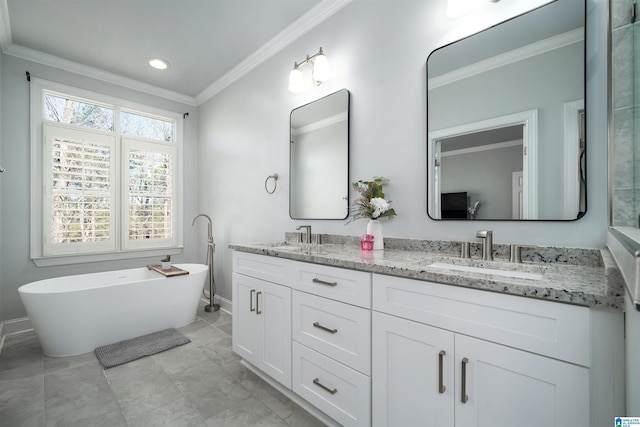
506, 120
319, 159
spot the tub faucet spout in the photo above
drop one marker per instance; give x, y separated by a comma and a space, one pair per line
209, 233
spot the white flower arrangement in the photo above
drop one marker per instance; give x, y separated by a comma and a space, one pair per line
371, 203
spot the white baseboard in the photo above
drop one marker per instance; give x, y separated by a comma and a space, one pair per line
225, 304
13, 326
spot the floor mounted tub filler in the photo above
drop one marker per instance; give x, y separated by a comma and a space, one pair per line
75, 314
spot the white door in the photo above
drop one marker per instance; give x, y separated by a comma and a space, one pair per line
407, 365
273, 308
507, 387
517, 190
246, 324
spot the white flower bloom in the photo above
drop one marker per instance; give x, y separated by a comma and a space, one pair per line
362, 186
380, 205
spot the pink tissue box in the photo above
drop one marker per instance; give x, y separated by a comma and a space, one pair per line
366, 242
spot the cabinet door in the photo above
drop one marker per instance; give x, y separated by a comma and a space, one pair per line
262, 326
273, 308
507, 387
246, 324
406, 372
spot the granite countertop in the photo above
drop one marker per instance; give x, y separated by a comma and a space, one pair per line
581, 276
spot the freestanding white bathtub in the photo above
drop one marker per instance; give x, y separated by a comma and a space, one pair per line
75, 314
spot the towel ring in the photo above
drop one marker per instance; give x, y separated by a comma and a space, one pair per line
275, 183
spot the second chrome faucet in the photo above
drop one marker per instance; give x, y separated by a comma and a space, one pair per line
308, 234
487, 244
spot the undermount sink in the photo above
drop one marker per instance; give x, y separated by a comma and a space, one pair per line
285, 247
490, 271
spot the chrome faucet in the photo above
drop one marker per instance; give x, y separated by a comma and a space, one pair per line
308, 234
487, 244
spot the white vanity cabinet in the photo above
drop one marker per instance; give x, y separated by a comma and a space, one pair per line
262, 314
331, 334
358, 349
445, 356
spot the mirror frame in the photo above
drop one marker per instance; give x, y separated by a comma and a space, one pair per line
429, 151
348, 162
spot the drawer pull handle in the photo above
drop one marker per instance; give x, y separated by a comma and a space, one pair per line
258, 303
441, 387
323, 282
324, 387
464, 396
251, 300
324, 328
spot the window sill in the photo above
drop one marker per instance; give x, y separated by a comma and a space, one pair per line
111, 256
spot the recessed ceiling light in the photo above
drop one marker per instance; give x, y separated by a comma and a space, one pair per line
158, 63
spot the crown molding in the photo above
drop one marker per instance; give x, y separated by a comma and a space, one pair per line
479, 148
306, 22
337, 118
528, 51
5, 26
95, 73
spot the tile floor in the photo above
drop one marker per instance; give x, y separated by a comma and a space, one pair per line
198, 384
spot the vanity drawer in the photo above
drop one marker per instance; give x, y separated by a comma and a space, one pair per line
338, 391
338, 330
263, 267
561, 331
352, 287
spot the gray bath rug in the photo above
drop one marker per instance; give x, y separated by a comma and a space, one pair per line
135, 348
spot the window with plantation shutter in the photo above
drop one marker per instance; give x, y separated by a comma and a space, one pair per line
150, 188
105, 177
79, 194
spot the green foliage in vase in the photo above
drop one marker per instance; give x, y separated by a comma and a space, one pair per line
371, 204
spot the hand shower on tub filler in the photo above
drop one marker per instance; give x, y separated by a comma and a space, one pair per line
211, 247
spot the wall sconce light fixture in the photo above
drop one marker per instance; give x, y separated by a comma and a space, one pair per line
456, 8
320, 73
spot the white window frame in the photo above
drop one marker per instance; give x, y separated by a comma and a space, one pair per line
121, 249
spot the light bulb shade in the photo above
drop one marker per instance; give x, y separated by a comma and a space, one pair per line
321, 70
456, 8
296, 81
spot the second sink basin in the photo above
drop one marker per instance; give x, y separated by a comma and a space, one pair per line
284, 246
491, 271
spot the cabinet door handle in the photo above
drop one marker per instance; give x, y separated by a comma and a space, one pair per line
441, 387
324, 387
251, 300
324, 282
258, 303
324, 328
464, 396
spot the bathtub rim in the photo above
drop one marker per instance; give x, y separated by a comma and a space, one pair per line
25, 288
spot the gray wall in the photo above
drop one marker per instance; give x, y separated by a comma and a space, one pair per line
377, 50
15, 265
469, 172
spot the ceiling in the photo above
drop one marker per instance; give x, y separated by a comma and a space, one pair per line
208, 43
